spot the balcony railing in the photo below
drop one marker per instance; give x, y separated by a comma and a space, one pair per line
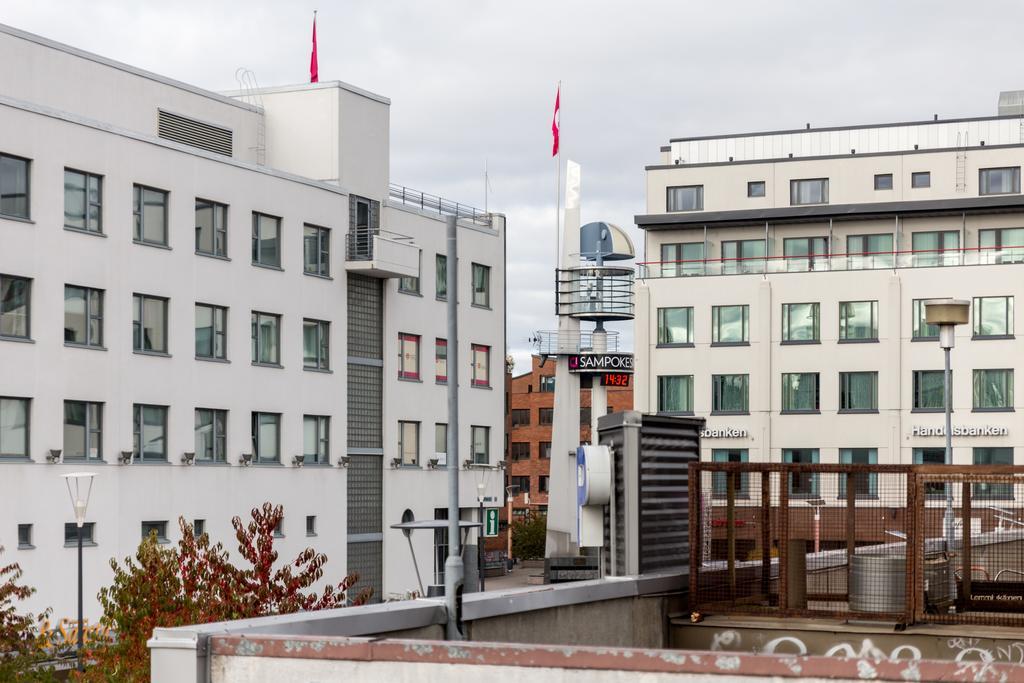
555, 342
438, 205
880, 260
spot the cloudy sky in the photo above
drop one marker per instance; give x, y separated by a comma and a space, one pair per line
474, 81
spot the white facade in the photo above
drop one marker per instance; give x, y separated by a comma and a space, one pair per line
939, 223
72, 110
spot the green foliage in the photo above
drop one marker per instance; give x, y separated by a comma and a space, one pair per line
529, 537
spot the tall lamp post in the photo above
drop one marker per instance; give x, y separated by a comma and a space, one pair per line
79, 488
947, 314
480, 534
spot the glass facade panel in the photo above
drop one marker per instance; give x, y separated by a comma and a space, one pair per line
680, 259
1001, 245
939, 248
805, 253
675, 325
865, 252
743, 256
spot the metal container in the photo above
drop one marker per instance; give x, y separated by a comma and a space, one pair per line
878, 582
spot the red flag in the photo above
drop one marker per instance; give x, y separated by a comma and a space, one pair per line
314, 70
554, 123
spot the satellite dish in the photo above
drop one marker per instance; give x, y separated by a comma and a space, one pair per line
611, 240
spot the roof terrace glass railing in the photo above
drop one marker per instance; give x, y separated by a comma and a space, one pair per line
880, 260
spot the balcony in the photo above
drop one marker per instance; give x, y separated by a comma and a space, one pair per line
555, 342
381, 254
883, 260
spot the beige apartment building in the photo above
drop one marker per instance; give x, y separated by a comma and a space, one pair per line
780, 293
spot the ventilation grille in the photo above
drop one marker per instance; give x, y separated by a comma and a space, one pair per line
195, 133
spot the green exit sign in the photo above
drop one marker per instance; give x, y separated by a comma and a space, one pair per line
491, 522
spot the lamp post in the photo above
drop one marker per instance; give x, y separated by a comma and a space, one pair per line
510, 493
947, 314
480, 535
79, 488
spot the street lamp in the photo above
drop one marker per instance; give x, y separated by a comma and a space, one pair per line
510, 493
480, 534
79, 487
947, 314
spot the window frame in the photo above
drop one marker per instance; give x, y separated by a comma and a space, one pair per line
663, 328
716, 320
740, 263
717, 394
752, 184
257, 241
255, 423
868, 257
89, 227
28, 188
90, 316
923, 258
321, 454
411, 284
441, 277
795, 184
932, 489
845, 394
800, 411
138, 431
977, 311
219, 227
139, 324
788, 457
221, 334
218, 431
27, 405
787, 323
917, 176
88, 534
978, 376
256, 323
917, 391
402, 436
485, 292
439, 359
846, 457
882, 177
983, 182
322, 361
687, 395
409, 346
480, 457
322, 250
918, 324
441, 434
159, 526
476, 351
719, 480
139, 203
25, 531
549, 412
89, 429
27, 282
516, 454
681, 265
516, 417
845, 317
992, 490
698, 198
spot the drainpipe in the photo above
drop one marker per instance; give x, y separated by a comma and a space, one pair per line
453, 568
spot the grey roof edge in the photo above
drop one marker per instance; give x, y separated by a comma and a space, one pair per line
322, 85
666, 221
822, 157
828, 129
121, 66
430, 215
75, 119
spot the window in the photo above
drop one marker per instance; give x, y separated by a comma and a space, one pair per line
441, 361
720, 480
211, 228
83, 430
311, 525
149, 323
923, 330
481, 437
481, 285
858, 392
211, 433
545, 416
316, 344
993, 316
929, 390
266, 437
999, 180
14, 426
545, 450
520, 417
993, 389
1001, 245
411, 284
316, 439
801, 323
83, 201
685, 198
858, 321
682, 259
520, 450
755, 188
266, 338
584, 416
937, 248
150, 213
993, 456
675, 325
15, 306
14, 184
408, 356
864, 252
149, 432
198, 527
730, 394
800, 392
441, 443
543, 483
83, 316
522, 483
211, 331
279, 528
71, 534
409, 443
805, 253
931, 456
441, 276
810, 191
865, 484
675, 394
481, 365
802, 484
743, 256
25, 537
883, 181
920, 179
316, 250
159, 529
266, 240
730, 324
547, 384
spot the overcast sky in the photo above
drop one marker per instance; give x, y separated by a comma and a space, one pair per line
474, 80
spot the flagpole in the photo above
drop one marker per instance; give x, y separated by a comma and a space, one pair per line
558, 184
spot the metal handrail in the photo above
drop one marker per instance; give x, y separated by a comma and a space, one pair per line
439, 205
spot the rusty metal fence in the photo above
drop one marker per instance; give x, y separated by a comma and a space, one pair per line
858, 541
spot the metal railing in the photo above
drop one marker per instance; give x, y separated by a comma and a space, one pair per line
881, 260
439, 205
555, 342
359, 243
858, 541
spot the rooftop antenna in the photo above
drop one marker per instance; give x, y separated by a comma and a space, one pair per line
249, 90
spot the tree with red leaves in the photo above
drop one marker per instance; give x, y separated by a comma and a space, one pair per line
22, 650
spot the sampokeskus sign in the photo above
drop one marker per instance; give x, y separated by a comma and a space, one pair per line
601, 362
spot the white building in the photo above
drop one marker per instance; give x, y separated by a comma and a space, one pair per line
781, 294
288, 340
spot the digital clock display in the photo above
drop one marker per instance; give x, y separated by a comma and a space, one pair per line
615, 379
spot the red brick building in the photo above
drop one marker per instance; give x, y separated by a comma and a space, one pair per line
531, 401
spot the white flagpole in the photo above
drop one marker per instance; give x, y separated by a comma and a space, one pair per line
558, 184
